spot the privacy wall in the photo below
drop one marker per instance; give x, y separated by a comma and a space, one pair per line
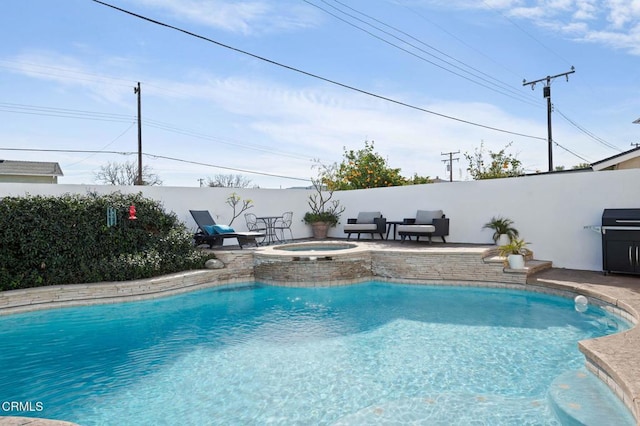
550, 210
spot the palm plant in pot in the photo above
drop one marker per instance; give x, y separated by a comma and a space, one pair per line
514, 253
503, 230
325, 211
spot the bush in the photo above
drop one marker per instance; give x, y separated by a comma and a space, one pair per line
67, 240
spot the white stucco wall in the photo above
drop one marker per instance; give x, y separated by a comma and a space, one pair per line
549, 210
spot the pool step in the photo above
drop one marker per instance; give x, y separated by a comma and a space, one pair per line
580, 398
531, 265
453, 409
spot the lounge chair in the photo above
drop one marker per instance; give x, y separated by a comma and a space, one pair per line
209, 232
366, 223
427, 223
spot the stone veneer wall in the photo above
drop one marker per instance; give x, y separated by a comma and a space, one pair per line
238, 269
312, 271
340, 268
442, 266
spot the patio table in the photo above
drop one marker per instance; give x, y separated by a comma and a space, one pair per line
394, 224
270, 231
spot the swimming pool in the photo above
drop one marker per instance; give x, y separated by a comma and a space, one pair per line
254, 354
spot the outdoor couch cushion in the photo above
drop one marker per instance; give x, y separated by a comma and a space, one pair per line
359, 227
417, 229
425, 217
368, 217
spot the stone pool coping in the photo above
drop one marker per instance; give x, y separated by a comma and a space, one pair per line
612, 358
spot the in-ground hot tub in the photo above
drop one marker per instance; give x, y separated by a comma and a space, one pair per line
316, 246
313, 263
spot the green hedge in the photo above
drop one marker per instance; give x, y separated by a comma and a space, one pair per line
67, 240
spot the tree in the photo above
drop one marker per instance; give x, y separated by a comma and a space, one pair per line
233, 201
581, 166
323, 207
365, 168
126, 174
228, 181
501, 164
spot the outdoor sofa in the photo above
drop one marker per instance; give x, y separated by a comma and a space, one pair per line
427, 223
366, 223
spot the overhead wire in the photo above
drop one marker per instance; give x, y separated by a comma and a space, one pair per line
587, 132
492, 83
291, 68
101, 116
570, 121
133, 123
150, 155
64, 112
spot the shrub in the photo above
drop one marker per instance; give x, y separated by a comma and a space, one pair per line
67, 240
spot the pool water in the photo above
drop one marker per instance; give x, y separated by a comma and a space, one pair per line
254, 354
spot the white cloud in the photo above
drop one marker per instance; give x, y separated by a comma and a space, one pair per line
245, 17
611, 23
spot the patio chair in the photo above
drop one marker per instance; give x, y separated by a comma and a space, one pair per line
212, 234
427, 223
284, 224
366, 223
255, 225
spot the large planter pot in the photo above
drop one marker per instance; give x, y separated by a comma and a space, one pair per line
503, 240
320, 229
516, 261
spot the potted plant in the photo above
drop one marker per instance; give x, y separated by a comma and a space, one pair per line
325, 211
514, 252
503, 230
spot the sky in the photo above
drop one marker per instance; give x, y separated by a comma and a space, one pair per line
266, 88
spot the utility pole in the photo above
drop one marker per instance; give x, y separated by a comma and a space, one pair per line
450, 161
546, 92
136, 90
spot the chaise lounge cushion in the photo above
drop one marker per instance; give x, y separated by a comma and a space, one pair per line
218, 229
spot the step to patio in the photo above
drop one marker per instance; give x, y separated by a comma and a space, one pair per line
531, 266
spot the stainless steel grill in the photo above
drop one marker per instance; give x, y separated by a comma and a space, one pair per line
621, 241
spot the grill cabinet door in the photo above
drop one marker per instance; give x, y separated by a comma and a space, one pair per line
621, 251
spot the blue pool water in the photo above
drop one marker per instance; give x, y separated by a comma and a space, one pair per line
361, 354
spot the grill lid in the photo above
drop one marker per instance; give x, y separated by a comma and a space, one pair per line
621, 217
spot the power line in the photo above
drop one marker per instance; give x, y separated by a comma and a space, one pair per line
64, 113
571, 152
587, 132
156, 156
498, 86
450, 161
526, 32
104, 147
103, 116
547, 94
189, 33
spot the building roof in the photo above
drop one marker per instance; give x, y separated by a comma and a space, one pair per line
29, 168
616, 159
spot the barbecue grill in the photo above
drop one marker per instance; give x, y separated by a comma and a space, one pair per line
621, 241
